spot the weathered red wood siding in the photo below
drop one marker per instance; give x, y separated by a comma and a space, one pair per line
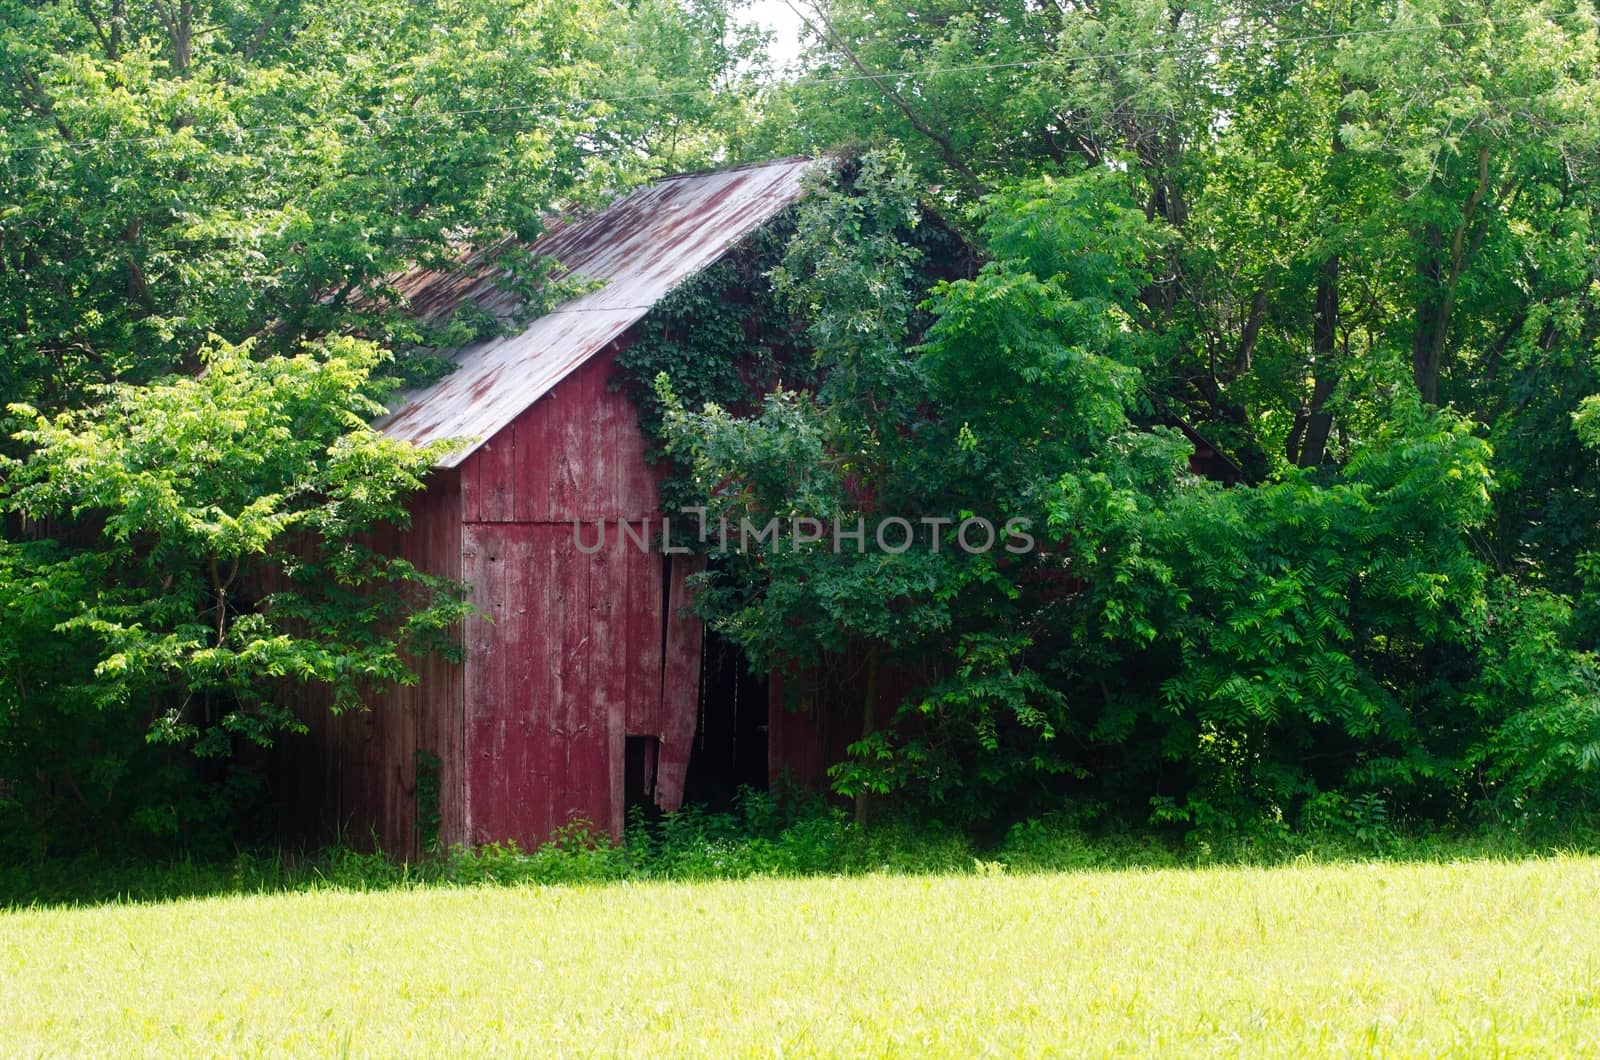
680, 690
567, 658
357, 771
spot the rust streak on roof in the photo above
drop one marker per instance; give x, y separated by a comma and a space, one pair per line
642, 246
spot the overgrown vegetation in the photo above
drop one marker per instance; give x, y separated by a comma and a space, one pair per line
1354, 245
1317, 235
1168, 651
214, 564
793, 835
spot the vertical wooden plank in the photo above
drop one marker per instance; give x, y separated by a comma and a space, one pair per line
680, 692
390, 796
608, 574
588, 438
485, 692
551, 645
610, 428
582, 755
552, 484
589, 750
531, 502
644, 638
567, 442
473, 647
608, 606
527, 661
491, 473
397, 832
361, 778
444, 683
467, 475
634, 485
543, 692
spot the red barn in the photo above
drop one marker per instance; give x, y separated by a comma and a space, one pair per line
585, 682
583, 677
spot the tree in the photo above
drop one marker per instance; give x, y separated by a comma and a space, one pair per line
173, 170
966, 411
1160, 639
212, 565
1358, 203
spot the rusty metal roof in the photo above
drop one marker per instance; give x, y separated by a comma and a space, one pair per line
642, 246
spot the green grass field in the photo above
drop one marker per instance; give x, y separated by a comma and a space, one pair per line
1467, 958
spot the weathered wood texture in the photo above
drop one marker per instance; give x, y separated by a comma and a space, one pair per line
680, 684
577, 453
574, 651
357, 771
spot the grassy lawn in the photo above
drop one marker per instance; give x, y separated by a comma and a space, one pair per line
1465, 958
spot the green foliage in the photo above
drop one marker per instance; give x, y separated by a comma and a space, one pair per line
1587, 421
1299, 600
1356, 246
429, 769
1542, 692
1223, 656
200, 559
266, 169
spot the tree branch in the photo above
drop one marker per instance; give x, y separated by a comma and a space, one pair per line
947, 149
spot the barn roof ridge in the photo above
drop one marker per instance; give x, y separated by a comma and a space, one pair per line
684, 174
643, 245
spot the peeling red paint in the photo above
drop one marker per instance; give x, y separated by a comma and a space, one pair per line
573, 652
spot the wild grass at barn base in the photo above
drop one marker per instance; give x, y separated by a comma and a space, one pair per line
1469, 957
759, 839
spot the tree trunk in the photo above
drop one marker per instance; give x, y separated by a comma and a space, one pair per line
1441, 272
1308, 441
1318, 421
1427, 340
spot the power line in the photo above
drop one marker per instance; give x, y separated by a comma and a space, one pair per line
815, 82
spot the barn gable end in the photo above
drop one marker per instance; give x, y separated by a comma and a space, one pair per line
573, 652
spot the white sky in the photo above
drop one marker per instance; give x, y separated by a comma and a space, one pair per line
775, 15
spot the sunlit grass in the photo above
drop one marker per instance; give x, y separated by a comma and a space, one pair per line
1465, 958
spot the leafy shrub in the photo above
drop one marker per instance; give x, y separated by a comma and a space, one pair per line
199, 557
1049, 846
1538, 693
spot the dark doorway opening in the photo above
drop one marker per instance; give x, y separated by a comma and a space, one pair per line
639, 757
730, 740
